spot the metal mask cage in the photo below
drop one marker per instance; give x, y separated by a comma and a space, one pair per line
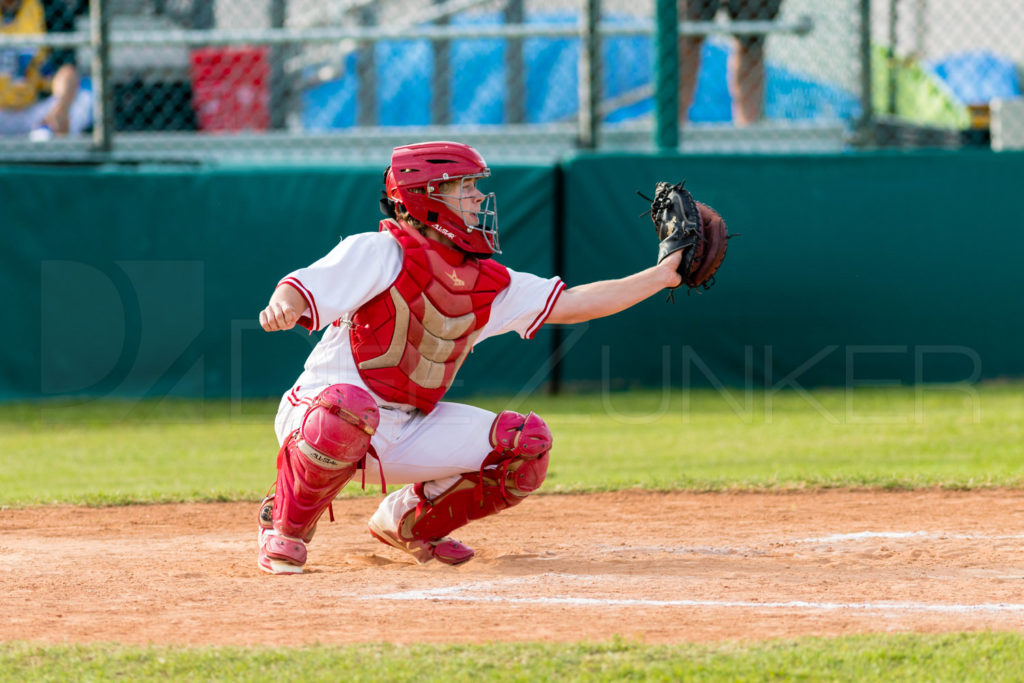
486, 216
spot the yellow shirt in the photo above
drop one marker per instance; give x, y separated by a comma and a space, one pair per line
21, 77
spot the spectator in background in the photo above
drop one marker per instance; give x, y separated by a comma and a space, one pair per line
746, 61
37, 96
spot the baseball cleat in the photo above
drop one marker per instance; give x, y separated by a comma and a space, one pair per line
280, 554
271, 566
446, 550
450, 551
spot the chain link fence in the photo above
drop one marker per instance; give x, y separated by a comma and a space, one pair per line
947, 73
281, 80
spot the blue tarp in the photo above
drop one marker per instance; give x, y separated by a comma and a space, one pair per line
978, 77
405, 74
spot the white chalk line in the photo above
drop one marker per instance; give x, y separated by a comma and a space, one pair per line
859, 535
830, 538
675, 550
458, 593
794, 604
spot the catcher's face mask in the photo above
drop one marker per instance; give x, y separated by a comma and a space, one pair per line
478, 211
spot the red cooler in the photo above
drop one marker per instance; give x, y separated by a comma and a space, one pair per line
230, 88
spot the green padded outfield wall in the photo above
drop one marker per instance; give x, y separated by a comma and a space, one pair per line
850, 270
147, 282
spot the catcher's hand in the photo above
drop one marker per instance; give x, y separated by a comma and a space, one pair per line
684, 224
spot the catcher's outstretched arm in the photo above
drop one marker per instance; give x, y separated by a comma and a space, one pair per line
607, 297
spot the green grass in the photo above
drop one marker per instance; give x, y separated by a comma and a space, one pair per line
103, 452
988, 657
960, 437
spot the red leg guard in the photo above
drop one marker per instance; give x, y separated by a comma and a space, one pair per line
319, 458
514, 469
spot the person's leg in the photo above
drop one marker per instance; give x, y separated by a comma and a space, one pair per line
475, 464
746, 80
747, 61
689, 51
80, 116
316, 460
65, 88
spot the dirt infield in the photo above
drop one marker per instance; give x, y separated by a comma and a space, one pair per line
650, 566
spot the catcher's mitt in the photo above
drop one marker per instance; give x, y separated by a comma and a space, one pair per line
682, 223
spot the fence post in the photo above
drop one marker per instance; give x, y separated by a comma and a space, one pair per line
366, 90
866, 124
279, 53
515, 67
103, 115
666, 87
441, 93
590, 74
893, 39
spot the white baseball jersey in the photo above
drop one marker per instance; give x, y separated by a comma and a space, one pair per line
412, 447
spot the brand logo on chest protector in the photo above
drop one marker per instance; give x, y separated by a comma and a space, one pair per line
456, 280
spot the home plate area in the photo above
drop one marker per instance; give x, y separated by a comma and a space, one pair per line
658, 567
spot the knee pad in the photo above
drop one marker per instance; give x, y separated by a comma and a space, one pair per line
521, 444
515, 468
320, 457
514, 435
339, 423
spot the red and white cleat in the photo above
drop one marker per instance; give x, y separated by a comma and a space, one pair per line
446, 550
280, 554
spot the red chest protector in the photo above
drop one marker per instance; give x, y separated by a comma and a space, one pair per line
410, 340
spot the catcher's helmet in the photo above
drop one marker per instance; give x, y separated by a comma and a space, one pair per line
425, 166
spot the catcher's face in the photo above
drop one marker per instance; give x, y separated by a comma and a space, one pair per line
474, 211
463, 197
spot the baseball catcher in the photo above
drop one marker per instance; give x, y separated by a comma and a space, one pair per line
685, 225
399, 310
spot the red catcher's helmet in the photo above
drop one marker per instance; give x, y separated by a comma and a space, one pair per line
425, 166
